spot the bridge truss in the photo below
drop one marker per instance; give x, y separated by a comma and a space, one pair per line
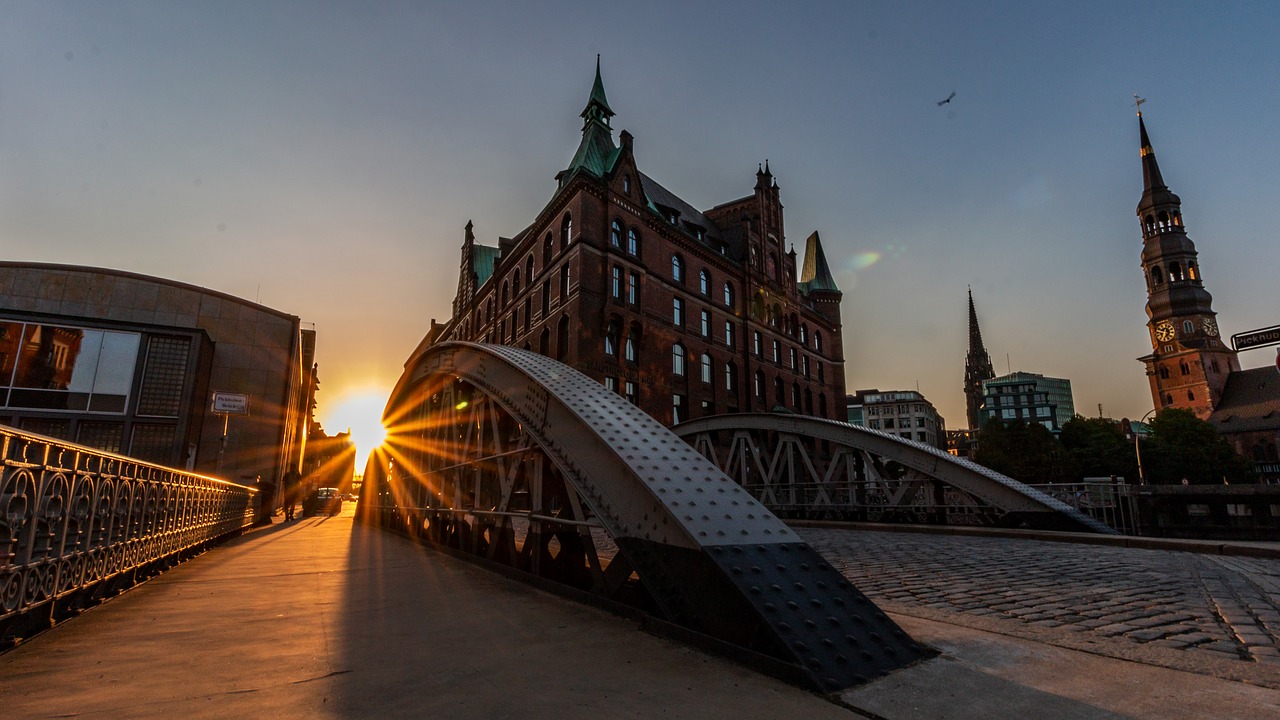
517, 459
807, 467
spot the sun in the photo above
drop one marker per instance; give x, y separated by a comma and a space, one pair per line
360, 411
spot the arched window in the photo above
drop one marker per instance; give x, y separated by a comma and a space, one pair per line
515, 284
626, 183
566, 231
633, 242
544, 342
1188, 327
630, 350
1168, 399
1150, 223
615, 233
1164, 373
822, 405
611, 338
677, 268
1175, 272
528, 268
817, 341
804, 334
706, 368
804, 365
528, 311
546, 297
1191, 271
730, 377
503, 302
1185, 369
633, 343
822, 376
677, 359
1157, 275
1214, 364
1191, 395
562, 338
728, 295
546, 250
704, 282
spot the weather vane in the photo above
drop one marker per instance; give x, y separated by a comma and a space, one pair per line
1137, 102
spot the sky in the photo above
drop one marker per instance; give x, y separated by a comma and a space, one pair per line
322, 158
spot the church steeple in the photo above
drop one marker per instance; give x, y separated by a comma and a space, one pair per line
977, 368
1189, 363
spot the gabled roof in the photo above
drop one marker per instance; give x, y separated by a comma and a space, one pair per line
1250, 401
659, 197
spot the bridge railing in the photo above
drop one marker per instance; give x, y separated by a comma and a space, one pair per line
1108, 501
78, 525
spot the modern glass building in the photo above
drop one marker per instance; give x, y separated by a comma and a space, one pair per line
1029, 397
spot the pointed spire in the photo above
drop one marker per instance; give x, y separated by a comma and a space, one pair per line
977, 368
1151, 179
597, 105
596, 153
470, 236
766, 168
816, 273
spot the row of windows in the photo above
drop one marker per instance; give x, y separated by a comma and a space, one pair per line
797, 362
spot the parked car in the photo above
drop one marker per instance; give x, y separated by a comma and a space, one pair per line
330, 501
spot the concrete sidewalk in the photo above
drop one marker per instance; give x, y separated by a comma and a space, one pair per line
322, 619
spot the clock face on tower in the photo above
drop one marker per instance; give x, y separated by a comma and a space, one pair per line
1164, 331
1210, 327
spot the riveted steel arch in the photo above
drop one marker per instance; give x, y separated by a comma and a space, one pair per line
512, 456
776, 457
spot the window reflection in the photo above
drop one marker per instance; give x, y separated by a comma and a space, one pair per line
54, 367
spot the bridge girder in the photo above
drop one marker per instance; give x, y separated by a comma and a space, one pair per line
787, 474
514, 457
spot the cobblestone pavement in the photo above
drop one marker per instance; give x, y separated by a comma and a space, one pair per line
1154, 605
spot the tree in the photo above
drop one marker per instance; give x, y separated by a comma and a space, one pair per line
1184, 446
1098, 448
1026, 452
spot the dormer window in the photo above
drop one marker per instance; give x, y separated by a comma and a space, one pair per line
626, 184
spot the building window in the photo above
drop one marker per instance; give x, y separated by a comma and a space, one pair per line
677, 312
759, 385
792, 353
706, 368
633, 242
632, 395
1042, 412
611, 337
1009, 413
888, 423
777, 353
633, 289
630, 349
611, 384
1187, 327
1191, 395
528, 311
562, 338
704, 282
626, 184
1186, 370
804, 334
730, 377
616, 287
919, 422
755, 342
778, 392
728, 295
546, 297
615, 233
821, 375
162, 377
728, 333
566, 231
528, 268
677, 269
564, 282
706, 324
546, 251
817, 341
677, 360
679, 409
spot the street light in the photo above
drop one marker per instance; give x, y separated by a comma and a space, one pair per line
1142, 480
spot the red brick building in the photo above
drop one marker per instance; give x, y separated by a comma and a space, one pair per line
685, 312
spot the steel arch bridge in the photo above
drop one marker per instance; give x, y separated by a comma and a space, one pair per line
808, 467
513, 457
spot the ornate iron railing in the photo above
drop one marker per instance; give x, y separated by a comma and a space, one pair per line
78, 525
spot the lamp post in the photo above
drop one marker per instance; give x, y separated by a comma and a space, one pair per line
1137, 451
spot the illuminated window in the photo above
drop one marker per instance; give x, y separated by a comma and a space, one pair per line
677, 359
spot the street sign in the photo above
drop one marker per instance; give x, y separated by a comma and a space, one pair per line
1256, 338
230, 403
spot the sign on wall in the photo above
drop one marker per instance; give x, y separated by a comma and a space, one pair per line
230, 403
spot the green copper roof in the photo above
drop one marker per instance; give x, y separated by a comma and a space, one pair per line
816, 274
596, 153
482, 260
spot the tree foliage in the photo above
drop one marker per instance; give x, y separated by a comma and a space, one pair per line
1026, 452
1184, 446
1098, 448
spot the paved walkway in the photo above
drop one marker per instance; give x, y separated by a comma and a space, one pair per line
322, 619
1207, 613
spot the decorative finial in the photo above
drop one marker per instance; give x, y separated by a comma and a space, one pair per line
1137, 103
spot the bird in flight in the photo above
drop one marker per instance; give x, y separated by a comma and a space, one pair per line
944, 102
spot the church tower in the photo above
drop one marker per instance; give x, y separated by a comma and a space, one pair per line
1189, 363
977, 368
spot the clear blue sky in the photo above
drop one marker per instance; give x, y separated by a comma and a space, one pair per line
324, 157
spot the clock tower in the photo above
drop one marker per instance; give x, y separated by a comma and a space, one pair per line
1189, 363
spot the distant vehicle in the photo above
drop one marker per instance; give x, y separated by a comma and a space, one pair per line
330, 501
